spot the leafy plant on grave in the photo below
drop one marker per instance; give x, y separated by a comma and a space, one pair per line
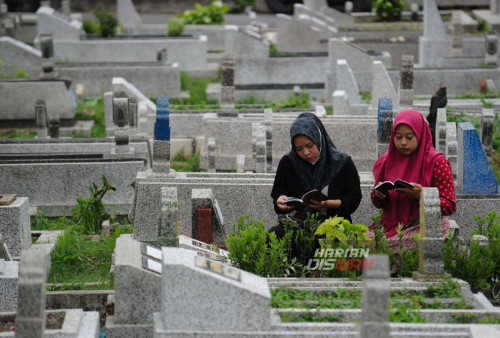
312, 316
340, 233
184, 163
388, 10
12, 71
107, 23
444, 288
482, 26
403, 313
175, 26
91, 27
489, 226
212, 14
91, 212
253, 249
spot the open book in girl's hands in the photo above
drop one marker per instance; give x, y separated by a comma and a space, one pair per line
306, 198
385, 186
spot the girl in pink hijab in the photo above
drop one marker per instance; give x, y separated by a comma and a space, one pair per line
411, 157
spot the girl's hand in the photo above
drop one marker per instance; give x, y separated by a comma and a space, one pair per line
411, 192
333, 204
378, 195
281, 204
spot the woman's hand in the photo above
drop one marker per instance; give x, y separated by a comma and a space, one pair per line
333, 204
411, 192
378, 195
281, 204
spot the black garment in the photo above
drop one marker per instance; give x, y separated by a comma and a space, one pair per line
344, 186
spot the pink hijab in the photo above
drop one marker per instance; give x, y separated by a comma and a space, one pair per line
415, 168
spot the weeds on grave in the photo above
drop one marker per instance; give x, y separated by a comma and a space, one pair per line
388, 10
107, 23
175, 26
91, 212
12, 71
444, 288
403, 313
182, 162
212, 14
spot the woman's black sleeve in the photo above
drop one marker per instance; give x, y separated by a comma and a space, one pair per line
280, 185
351, 196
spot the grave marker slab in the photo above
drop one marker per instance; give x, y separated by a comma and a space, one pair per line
15, 225
487, 122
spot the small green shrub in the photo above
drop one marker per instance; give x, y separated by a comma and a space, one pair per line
107, 22
21, 73
241, 4
388, 10
91, 212
91, 27
212, 14
175, 26
482, 26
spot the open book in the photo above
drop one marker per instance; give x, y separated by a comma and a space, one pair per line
306, 198
385, 186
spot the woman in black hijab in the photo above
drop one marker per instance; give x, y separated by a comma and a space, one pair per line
315, 163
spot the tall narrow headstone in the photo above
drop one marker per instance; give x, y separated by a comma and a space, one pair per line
385, 121
441, 130
341, 104
487, 122
211, 154
495, 6
382, 85
30, 317
452, 148
475, 175
168, 231
132, 108
227, 86
268, 122
347, 82
259, 147
161, 143
430, 243
48, 66
434, 44
491, 55
375, 298
406, 82
54, 124
41, 119
121, 118
457, 43
240, 163
66, 7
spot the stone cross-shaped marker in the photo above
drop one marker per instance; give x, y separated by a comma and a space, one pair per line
375, 298
430, 243
161, 145
30, 318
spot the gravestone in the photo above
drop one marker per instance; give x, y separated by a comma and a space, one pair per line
137, 284
8, 284
168, 231
128, 16
438, 100
341, 104
491, 55
441, 130
259, 147
457, 39
375, 298
4, 250
15, 226
430, 243
452, 148
66, 7
406, 82
161, 55
385, 121
227, 87
240, 163
268, 123
382, 85
54, 125
220, 297
346, 82
48, 66
434, 44
475, 175
30, 318
41, 119
211, 154
205, 199
121, 118
487, 122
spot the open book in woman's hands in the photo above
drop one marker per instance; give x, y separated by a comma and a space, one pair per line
306, 198
385, 186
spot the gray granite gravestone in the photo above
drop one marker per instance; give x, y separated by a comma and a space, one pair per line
268, 122
385, 121
4, 250
487, 122
382, 85
375, 298
434, 44
205, 198
121, 118
30, 318
66, 7
341, 104
8, 285
491, 55
168, 234
41, 120
220, 297
128, 16
346, 82
430, 243
15, 226
441, 130
259, 147
227, 87
452, 147
211, 154
240, 163
48, 66
406, 82
457, 39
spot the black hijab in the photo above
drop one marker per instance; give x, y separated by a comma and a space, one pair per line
330, 160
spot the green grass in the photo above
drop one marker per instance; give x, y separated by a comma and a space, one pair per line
197, 87
18, 133
184, 163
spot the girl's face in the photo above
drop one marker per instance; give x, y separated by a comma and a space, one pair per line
405, 139
306, 148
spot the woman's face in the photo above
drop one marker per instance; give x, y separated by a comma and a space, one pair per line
405, 139
306, 148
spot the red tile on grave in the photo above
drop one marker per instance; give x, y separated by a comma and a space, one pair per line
205, 225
